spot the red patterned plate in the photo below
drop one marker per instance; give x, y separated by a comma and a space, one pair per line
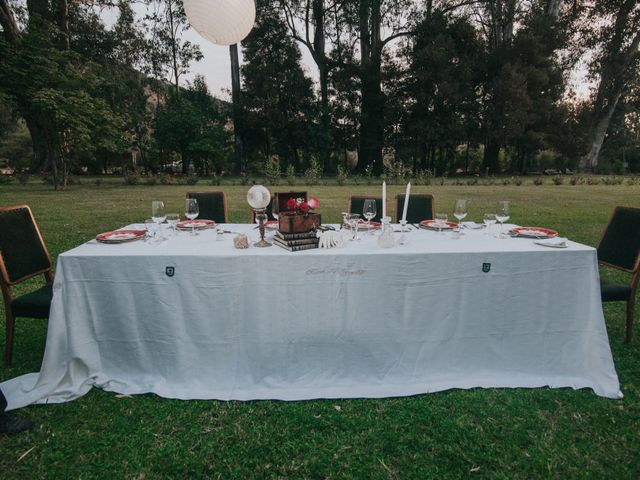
533, 232
120, 236
432, 225
373, 225
195, 224
271, 224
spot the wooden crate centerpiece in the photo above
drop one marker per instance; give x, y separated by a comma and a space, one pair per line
295, 222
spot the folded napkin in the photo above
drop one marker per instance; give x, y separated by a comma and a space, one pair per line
556, 242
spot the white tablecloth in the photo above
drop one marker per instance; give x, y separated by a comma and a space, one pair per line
359, 321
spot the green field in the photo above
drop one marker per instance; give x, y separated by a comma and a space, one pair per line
501, 433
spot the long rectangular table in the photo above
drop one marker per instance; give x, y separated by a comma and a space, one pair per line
360, 321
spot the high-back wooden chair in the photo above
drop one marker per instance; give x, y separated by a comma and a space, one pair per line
212, 205
619, 248
23, 255
356, 204
421, 207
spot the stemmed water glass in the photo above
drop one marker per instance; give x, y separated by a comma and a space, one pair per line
352, 220
158, 215
172, 220
489, 219
460, 212
441, 221
191, 212
502, 215
369, 211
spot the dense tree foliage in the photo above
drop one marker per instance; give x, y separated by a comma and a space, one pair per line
444, 85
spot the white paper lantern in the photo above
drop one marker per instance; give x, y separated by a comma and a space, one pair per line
224, 22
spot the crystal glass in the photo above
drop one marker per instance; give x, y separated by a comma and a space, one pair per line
368, 212
158, 215
172, 220
352, 221
441, 221
489, 219
150, 227
460, 212
502, 215
191, 212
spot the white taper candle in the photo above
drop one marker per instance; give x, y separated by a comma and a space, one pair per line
406, 202
384, 199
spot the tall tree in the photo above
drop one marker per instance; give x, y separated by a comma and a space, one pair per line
307, 21
277, 93
239, 164
50, 85
616, 38
372, 15
168, 55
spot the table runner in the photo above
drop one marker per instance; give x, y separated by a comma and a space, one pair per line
194, 318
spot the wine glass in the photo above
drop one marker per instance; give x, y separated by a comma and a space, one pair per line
158, 215
353, 219
441, 221
192, 212
369, 211
502, 215
172, 220
460, 212
489, 219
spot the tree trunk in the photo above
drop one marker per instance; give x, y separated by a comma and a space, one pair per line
174, 53
320, 57
9, 24
616, 72
63, 23
553, 8
589, 162
239, 163
491, 156
372, 101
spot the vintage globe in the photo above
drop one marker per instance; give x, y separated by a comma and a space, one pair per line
223, 22
258, 197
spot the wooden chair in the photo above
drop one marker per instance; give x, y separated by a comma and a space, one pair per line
23, 255
280, 204
421, 207
212, 205
619, 248
356, 203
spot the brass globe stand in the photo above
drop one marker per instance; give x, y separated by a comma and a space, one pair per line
261, 216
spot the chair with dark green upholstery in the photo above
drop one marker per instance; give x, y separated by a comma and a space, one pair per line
421, 207
356, 204
620, 249
211, 205
23, 255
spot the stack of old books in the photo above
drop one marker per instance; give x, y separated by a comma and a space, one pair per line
296, 241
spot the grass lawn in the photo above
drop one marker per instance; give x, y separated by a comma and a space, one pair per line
501, 433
